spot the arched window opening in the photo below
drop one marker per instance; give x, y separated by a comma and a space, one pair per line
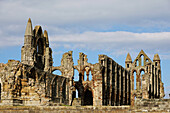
159, 75
90, 76
76, 93
40, 53
57, 72
141, 74
137, 63
134, 74
88, 97
142, 60
147, 60
76, 75
85, 76
40, 47
155, 63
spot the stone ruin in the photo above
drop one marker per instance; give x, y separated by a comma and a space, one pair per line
31, 82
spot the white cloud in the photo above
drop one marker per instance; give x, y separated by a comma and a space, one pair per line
120, 39
131, 12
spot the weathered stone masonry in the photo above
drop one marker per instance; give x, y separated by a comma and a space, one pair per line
148, 85
31, 82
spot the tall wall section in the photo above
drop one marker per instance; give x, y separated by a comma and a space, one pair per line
115, 83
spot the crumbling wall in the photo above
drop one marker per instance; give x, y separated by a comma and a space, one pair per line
149, 85
115, 82
20, 85
152, 105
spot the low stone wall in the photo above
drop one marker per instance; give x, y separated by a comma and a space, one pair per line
161, 106
157, 105
64, 109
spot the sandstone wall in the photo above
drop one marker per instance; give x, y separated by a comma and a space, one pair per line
157, 105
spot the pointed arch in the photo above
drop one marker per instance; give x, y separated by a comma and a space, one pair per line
142, 72
76, 75
134, 73
138, 58
88, 96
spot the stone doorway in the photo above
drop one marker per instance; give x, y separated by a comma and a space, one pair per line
88, 97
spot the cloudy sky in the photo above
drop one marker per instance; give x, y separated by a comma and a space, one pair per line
111, 27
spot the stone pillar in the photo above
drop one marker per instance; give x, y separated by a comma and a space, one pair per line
154, 84
138, 79
111, 82
120, 85
57, 87
151, 82
105, 82
61, 89
128, 88
124, 91
82, 77
157, 84
87, 76
47, 59
115, 88
97, 92
132, 96
70, 90
113, 85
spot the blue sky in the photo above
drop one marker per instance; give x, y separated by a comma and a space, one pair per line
111, 27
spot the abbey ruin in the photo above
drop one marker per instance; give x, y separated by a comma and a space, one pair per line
31, 82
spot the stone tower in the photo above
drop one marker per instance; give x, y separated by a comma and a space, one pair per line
27, 51
156, 60
36, 51
128, 61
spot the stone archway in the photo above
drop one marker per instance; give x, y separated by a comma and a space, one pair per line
88, 97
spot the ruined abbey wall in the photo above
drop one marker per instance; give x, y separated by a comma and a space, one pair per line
116, 82
149, 84
31, 82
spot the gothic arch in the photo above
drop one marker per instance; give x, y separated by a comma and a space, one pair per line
56, 68
53, 79
88, 96
40, 46
88, 87
141, 69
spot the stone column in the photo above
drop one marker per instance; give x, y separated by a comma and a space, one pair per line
97, 92
128, 87
82, 77
105, 82
115, 88
151, 82
87, 76
138, 79
120, 85
70, 91
124, 91
57, 87
132, 89
154, 83
111, 75
157, 84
